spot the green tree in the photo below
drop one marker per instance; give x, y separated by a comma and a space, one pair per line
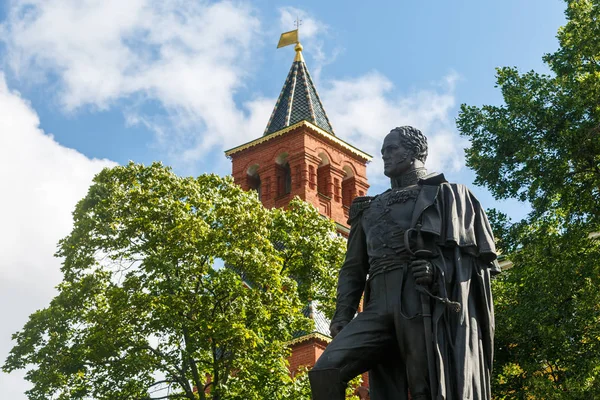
298, 232
548, 315
543, 146
147, 310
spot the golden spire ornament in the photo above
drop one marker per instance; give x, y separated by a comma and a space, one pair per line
292, 37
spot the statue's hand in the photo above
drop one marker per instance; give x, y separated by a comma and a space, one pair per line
422, 272
336, 328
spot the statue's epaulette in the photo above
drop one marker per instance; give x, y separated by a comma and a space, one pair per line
359, 204
434, 179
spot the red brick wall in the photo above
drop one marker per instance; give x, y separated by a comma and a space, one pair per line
306, 152
306, 354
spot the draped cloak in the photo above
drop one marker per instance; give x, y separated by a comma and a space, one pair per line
456, 228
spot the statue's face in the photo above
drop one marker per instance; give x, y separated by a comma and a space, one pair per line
396, 158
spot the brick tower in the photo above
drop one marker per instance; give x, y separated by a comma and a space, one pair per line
300, 155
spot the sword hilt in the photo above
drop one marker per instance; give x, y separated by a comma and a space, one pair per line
420, 248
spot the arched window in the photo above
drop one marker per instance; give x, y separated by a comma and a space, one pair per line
348, 186
324, 176
253, 179
284, 175
287, 178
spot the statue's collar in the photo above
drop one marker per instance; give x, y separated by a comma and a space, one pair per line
409, 178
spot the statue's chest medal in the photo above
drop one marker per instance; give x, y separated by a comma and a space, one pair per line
399, 196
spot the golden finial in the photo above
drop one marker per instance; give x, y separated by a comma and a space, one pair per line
298, 49
292, 37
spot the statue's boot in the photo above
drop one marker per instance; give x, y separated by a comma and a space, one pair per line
326, 384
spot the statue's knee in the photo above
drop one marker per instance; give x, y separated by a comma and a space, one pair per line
324, 363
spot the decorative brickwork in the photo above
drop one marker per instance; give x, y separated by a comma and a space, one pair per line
306, 351
316, 170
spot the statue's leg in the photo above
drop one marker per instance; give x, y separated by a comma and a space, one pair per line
388, 380
361, 345
411, 340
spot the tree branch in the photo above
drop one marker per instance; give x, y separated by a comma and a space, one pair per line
191, 361
180, 377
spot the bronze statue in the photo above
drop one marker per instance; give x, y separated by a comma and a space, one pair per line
423, 254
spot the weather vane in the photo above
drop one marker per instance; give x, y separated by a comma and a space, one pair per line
291, 37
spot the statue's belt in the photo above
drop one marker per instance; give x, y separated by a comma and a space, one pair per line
387, 264
382, 265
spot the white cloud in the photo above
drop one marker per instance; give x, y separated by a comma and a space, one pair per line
363, 110
42, 181
191, 57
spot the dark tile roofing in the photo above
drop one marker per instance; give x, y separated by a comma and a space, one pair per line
321, 321
298, 101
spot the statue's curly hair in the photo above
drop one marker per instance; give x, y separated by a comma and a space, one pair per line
413, 140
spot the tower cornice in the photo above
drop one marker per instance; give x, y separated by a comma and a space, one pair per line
313, 128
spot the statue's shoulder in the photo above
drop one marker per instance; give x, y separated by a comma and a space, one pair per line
358, 206
438, 180
433, 179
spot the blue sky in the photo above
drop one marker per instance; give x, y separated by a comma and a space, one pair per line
89, 84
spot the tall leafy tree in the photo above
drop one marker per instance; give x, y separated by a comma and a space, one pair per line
543, 146
548, 317
177, 288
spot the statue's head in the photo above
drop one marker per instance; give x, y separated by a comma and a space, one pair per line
402, 147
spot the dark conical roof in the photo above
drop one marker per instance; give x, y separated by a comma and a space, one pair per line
298, 100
